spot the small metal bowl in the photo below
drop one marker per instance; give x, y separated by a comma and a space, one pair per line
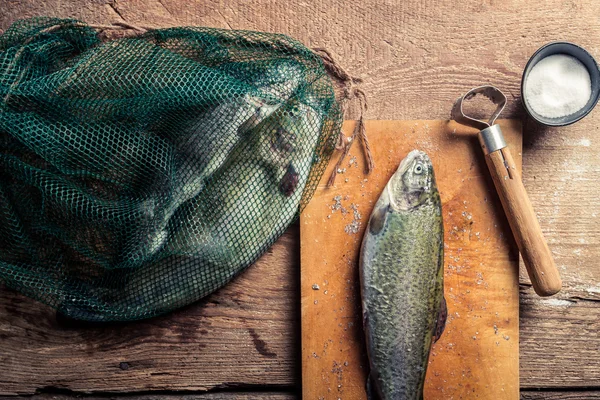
586, 59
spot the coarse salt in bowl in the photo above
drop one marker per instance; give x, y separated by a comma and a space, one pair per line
560, 84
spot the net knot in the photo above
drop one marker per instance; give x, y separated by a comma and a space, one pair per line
351, 92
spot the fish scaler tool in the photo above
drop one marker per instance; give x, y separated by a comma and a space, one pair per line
513, 196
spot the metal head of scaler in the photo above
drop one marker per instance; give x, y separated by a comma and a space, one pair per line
490, 135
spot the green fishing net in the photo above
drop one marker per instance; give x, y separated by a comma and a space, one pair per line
139, 174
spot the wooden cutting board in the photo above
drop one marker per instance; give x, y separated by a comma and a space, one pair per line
478, 354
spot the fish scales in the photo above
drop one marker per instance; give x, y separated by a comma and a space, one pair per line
402, 279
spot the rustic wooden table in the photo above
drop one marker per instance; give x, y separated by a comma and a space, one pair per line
416, 58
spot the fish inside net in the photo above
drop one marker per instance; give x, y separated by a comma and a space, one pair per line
140, 174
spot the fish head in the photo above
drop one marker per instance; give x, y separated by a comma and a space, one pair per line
282, 78
292, 140
413, 183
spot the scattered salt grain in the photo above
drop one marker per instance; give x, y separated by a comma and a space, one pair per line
557, 86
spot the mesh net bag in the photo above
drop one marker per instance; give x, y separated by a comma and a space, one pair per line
139, 174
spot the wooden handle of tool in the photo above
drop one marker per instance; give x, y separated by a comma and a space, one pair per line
524, 223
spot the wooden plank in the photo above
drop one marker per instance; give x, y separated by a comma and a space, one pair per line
478, 353
565, 327
243, 335
416, 58
525, 395
547, 395
560, 337
198, 396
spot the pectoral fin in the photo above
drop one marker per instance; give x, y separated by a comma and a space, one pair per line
377, 221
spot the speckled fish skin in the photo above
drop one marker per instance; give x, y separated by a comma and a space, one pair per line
401, 268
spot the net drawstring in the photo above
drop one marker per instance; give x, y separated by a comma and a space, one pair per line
351, 92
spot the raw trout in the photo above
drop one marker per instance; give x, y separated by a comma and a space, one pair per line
401, 268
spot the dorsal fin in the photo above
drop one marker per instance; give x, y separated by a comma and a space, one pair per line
441, 320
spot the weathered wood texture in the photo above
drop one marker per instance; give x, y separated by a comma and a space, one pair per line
416, 58
525, 395
200, 396
546, 395
560, 340
477, 356
542, 395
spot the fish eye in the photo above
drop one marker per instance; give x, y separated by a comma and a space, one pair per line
418, 169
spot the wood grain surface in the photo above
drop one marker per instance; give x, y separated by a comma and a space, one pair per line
477, 356
566, 395
416, 58
198, 396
